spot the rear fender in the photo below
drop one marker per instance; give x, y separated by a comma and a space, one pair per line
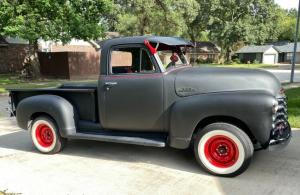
61, 110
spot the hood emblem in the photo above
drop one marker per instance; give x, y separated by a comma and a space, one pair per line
186, 90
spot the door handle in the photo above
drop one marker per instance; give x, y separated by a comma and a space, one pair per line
109, 85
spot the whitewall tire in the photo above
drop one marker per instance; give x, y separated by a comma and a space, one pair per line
223, 149
45, 135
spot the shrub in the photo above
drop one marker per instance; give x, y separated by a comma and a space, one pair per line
236, 61
256, 62
228, 62
204, 61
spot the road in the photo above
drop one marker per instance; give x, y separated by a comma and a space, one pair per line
89, 167
284, 75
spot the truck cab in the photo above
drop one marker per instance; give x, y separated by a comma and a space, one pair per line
140, 98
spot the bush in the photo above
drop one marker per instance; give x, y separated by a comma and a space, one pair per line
192, 60
228, 62
236, 61
255, 62
204, 61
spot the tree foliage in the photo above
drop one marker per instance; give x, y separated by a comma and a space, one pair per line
160, 17
226, 22
249, 21
53, 20
286, 24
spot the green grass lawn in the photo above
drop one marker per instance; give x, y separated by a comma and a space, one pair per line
8, 81
294, 106
15, 82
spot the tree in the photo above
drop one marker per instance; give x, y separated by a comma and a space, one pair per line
229, 23
168, 17
197, 25
53, 20
287, 24
235, 21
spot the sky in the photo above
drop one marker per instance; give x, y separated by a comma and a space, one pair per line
288, 4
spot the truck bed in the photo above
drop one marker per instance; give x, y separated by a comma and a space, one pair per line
83, 96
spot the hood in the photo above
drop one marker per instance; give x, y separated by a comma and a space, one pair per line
193, 81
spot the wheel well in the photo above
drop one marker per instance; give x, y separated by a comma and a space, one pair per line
226, 119
38, 114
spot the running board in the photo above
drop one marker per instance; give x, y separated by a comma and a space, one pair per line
154, 140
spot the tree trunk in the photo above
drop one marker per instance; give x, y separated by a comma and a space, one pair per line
229, 55
192, 36
193, 40
31, 65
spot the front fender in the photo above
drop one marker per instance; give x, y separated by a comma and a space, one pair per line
252, 108
61, 110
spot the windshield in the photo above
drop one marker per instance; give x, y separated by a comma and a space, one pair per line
172, 57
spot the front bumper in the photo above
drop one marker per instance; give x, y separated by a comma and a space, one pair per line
280, 138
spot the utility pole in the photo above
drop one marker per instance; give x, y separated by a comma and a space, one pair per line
295, 45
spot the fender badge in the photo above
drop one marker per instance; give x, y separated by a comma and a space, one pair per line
186, 90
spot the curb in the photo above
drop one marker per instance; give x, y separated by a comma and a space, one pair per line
280, 71
291, 86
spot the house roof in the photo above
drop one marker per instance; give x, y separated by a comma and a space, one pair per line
281, 47
205, 47
12, 40
287, 47
254, 49
16, 40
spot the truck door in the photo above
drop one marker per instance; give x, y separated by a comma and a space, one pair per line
132, 92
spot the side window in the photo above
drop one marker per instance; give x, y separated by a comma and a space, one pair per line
146, 63
130, 60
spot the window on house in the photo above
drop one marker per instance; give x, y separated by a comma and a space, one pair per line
131, 60
289, 56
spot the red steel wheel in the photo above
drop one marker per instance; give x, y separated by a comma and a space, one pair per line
44, 135
221, 151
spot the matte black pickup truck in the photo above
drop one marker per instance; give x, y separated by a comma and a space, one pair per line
144, 98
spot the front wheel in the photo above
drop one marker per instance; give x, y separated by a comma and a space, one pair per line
45, 136
223, 149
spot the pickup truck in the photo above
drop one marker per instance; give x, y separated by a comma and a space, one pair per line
223, 114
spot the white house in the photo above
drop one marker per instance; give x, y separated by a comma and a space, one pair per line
265, 54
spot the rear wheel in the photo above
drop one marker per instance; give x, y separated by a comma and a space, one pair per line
45, 135
223, 149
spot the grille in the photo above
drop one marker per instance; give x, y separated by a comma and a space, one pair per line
280, 119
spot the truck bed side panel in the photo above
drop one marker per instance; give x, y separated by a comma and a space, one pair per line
83, 100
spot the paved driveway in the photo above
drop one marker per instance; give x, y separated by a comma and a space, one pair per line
3, 106
89, 167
